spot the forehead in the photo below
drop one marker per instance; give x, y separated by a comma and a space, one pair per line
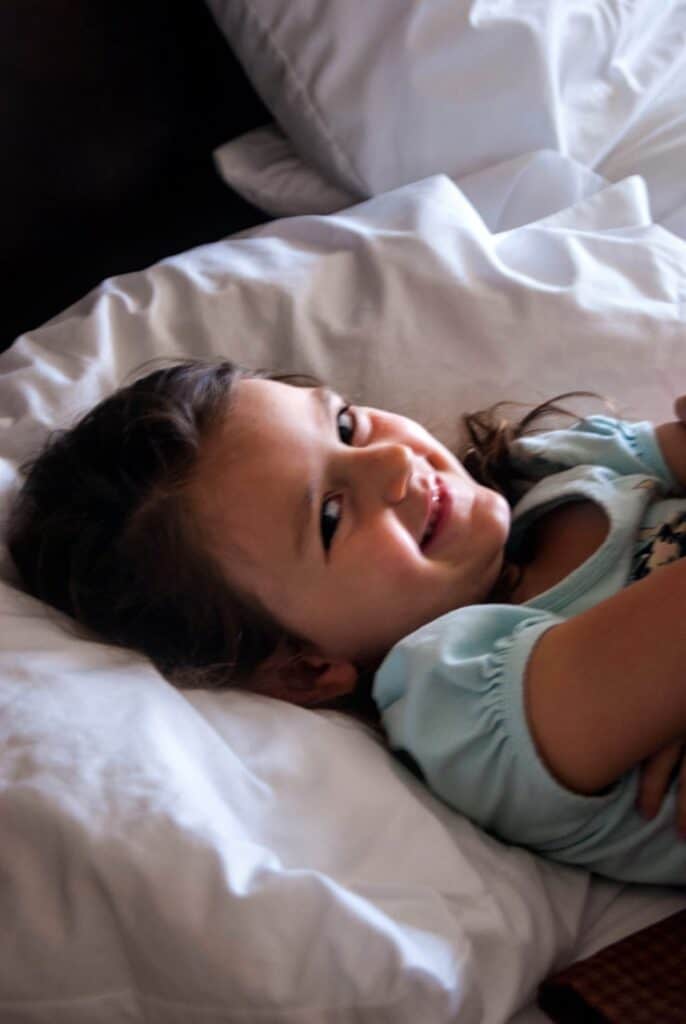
263, 417
249, 466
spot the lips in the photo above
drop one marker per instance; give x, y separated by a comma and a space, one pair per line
436, 515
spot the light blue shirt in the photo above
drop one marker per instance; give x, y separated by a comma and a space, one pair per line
452, 693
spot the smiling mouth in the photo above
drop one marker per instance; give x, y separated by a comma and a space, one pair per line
437, 504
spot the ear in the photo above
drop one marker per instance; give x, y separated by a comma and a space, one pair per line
307, 679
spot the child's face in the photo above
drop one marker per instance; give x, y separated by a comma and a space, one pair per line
322, 513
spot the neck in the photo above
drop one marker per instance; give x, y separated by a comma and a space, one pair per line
510, 578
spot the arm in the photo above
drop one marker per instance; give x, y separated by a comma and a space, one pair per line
657, 774
672, 440
658, 770
607, 688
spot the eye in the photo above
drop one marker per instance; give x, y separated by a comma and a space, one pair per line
332, 508
330, 518
345, 420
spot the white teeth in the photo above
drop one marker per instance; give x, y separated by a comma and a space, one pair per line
436, 504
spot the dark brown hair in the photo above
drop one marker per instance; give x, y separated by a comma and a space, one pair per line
488, 458
487, 455
100, 528
101, 531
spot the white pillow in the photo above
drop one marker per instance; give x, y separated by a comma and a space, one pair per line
376, 95
263, 167
174, 857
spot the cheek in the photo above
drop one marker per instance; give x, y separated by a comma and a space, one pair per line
387, 565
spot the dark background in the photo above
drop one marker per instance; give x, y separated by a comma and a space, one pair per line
109, 113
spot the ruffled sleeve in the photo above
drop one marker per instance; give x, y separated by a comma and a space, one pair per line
624, 447
452, 696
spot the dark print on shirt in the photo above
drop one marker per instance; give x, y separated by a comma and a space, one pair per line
659, 545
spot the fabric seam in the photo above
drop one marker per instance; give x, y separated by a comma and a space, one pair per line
312, 111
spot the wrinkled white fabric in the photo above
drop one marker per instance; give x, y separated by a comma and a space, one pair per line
376, 95
197, 857
264, 168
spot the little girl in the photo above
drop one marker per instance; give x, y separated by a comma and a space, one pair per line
526, 653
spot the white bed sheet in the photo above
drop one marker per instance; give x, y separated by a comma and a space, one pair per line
179, 857
264, 167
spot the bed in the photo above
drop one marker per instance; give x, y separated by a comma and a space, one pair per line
431, 206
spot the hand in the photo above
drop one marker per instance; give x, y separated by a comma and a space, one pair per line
656, 774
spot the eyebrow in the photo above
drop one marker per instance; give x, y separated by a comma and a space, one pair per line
305, 509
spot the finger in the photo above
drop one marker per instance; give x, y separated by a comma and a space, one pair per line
654, 780
680, 407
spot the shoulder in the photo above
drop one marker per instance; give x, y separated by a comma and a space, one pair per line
449, 695
467, 642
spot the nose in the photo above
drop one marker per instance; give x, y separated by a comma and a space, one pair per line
389, 467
